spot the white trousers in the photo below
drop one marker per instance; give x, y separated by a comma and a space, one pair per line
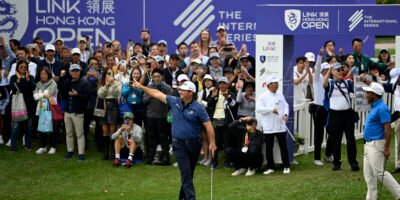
373, 170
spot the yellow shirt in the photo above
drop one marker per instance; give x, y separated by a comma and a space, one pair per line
219, 108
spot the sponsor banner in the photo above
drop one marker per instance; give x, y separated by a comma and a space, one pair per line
106, 20
330, 19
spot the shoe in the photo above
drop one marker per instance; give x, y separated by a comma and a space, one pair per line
117, 162
175, 164
81, 157
318, 162
128, 163
202, 161
41, 150
207, 163
328, 159
336, 168
250, 172
9, 143
269, 171
69, 155
396, 170
1, 139
52, 150
227, 165
355, 168
239, 171
286, 170
28, 149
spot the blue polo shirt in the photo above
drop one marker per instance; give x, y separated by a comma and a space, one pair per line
186, 121
377, 117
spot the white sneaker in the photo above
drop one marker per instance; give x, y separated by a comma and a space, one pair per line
318, 162
1, 139
175, 164
239, 171
286, 170
41, 150
207, 163
269, 171
250, 172
52, 150
202, 161
9, 143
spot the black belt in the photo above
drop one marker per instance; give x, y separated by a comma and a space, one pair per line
185, 141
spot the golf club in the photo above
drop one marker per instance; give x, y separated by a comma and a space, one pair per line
383, 175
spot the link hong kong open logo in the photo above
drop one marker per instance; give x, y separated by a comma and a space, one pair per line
14, 17
292, 18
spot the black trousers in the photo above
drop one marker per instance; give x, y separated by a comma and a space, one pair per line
320, 118
244, 160
269, 142
221, 140
339, 122
157, 130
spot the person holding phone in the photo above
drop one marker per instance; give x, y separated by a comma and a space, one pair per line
110, 90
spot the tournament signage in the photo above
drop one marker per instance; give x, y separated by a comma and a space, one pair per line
105, 20
330, 19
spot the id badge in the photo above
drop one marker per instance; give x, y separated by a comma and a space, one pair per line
244, 149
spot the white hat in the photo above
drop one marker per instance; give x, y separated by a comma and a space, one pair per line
198, 61
214, 55
325, 65
159, 59
223, 79
337, 65
74, 67
82, 39
272, 79
375, 88
76, 51
208, 76
394, 75
310, 56
188, 85
49, 47
162, 42
221, 28
182, 77
59, 39
122, 62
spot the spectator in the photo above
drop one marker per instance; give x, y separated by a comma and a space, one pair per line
4, 99
77, 90
182, 51
349, 60
302, 76
76, 59
216, 70
341, 116
197, 78
248, 152
134, 96
137, 49
274, 111
203, 96
122, 76
248, 62
59, 44
24, 83
7, 55
145, 35
65, 55
160, 62
129, 135
22, 54
246, 99
51, 63
84, 49
172, 72
157, 127
110, 91
362, 61
224, 46
195, 53
310, 59
163, 50
154, 52
46, 90
384, 57
205, 41
222, 106
111, 64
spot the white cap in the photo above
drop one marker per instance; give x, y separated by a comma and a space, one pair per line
74, 67
208, 76
394, 75
375, 88
76, 50
223, 79
159, 59
122, 62
188, 85
221, 28
310, 56
82, 39
162, 42
325, 65
182, 77
49, 47
272, 79
59, 39
214, 55
198, 61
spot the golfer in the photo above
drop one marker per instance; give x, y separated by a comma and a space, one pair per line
187, 118
377, 142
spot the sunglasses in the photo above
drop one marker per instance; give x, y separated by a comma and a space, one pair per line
340, 70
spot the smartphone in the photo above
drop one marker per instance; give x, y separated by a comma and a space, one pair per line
109, 46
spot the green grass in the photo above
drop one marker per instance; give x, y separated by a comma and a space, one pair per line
25, 175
